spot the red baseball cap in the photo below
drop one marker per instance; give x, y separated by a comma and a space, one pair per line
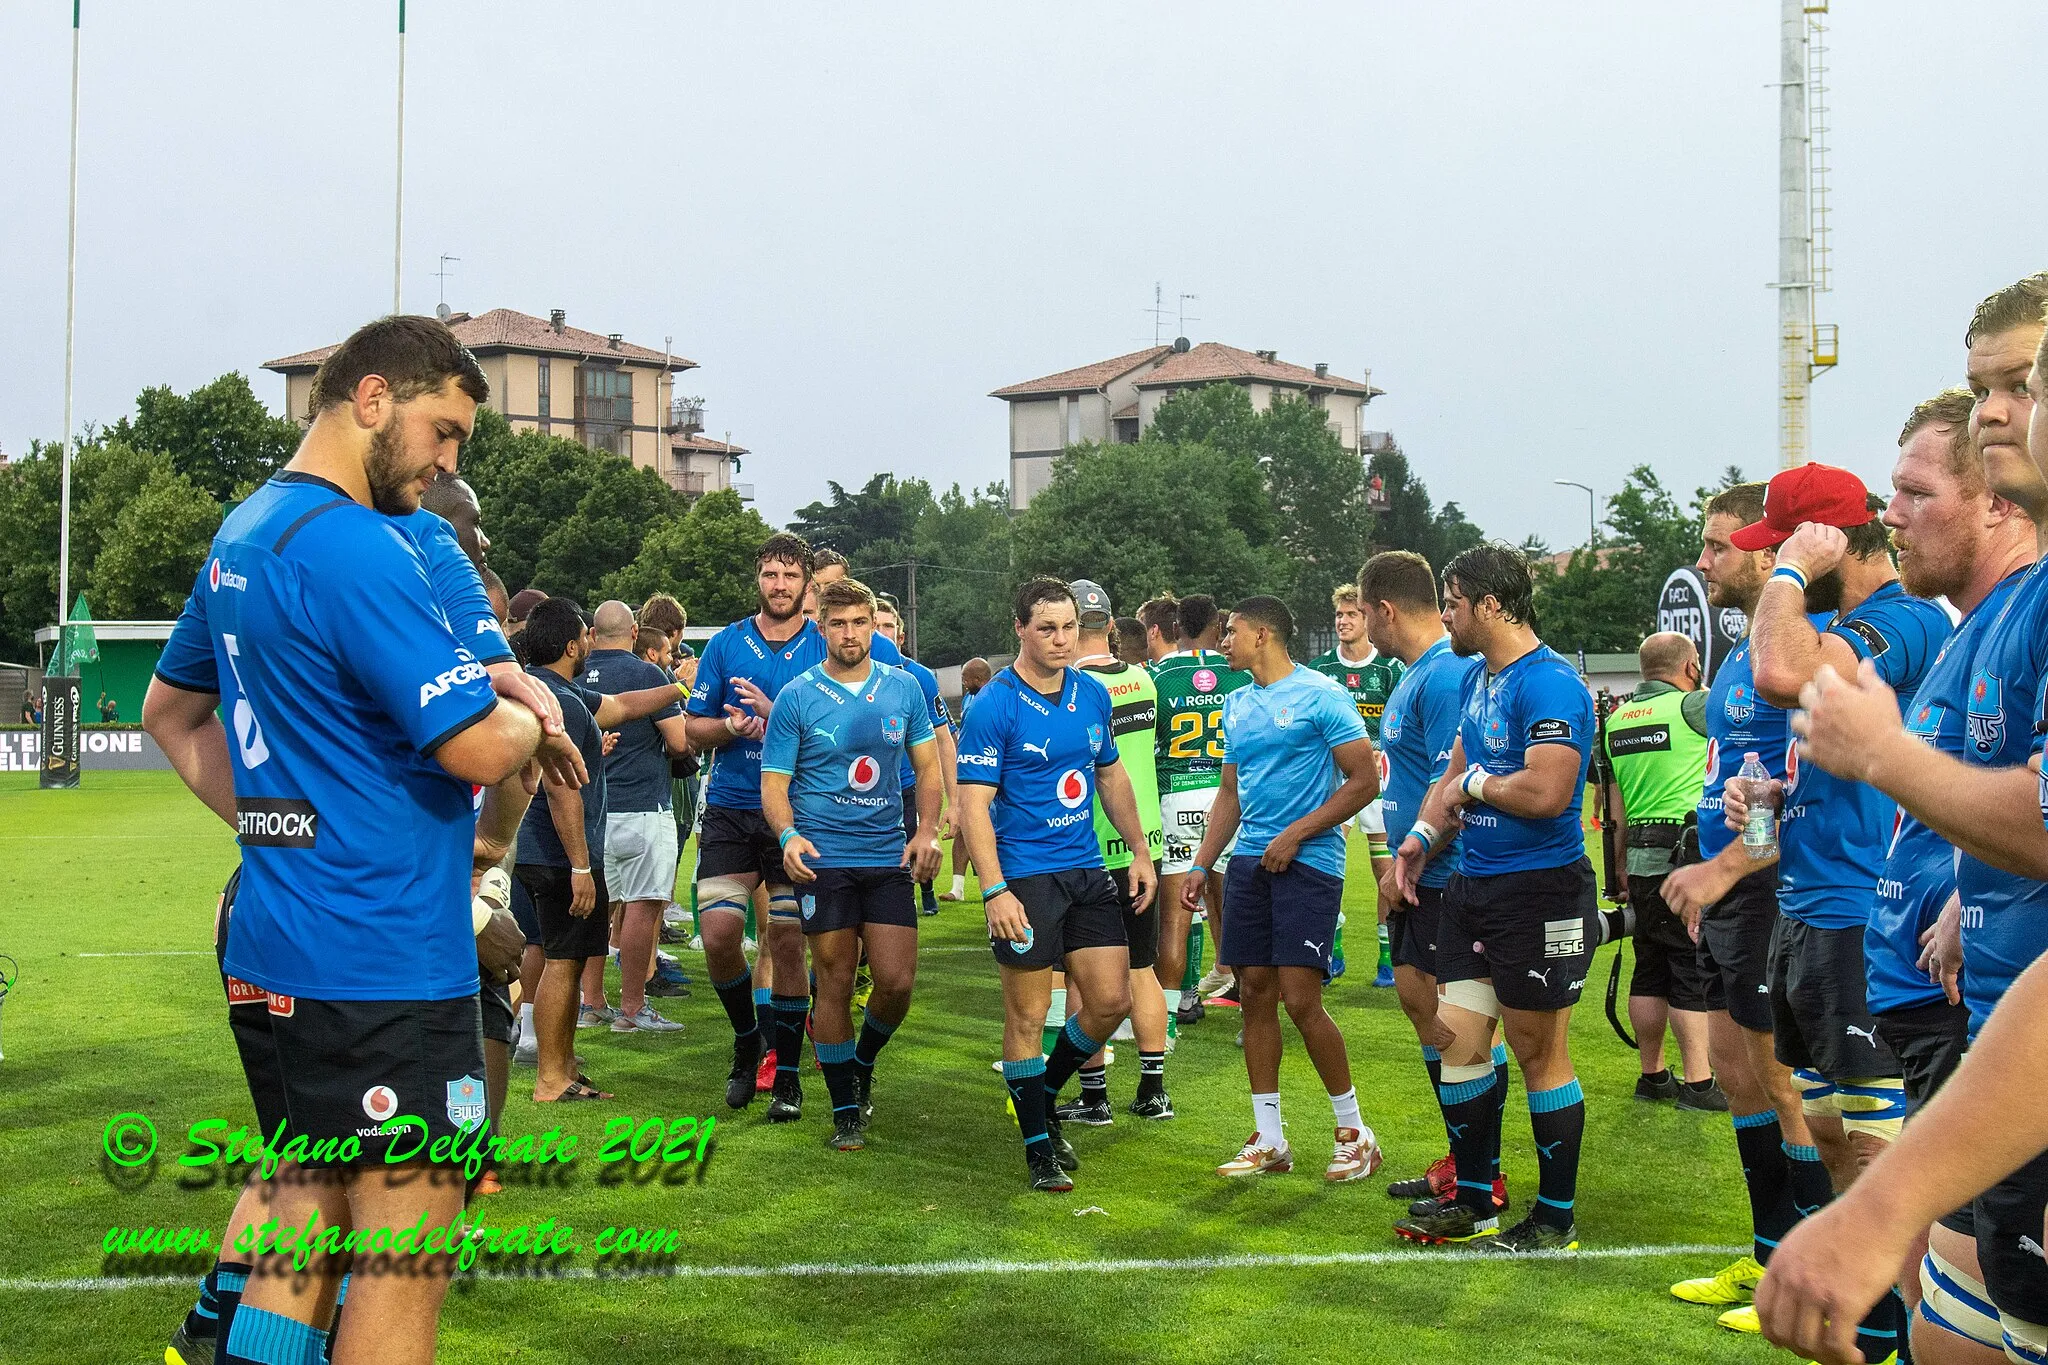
1812, 492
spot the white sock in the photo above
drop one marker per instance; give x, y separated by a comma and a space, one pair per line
1056, 1009
959, 887
1266, 1109
1172, 1001
1345, 1106
526, 1019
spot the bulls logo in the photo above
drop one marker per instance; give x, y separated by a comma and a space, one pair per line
1926, 721
1204, 680
1987, 714
1390, 724
1095, 739
892, 730
1072, 789
1741, 703
1496, 734
380, 1102
863, 773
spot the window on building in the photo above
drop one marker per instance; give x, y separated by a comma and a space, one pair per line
1073, 421
604, 408
545, 407
1127, 430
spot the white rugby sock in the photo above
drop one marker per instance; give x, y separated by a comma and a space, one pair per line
959, 887
526, 1019
1345, 1106
1172, 1001
1266, 1109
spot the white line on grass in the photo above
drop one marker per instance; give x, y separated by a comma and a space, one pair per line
1258, 1260
169, 952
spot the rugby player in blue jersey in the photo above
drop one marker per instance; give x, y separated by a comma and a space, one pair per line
355, 710
1297, 764
1984, 804
1833, 555
1728, 897
832, 792
1520, 918
1404, 620
1032, 757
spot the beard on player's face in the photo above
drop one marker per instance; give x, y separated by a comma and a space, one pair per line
393, 472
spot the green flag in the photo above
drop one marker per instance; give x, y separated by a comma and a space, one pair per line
78, 644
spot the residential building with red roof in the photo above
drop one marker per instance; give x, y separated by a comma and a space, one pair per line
592, 387
1116, 400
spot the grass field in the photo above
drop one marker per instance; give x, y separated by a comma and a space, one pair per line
788, 1251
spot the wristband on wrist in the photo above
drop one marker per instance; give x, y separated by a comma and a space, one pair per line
579, 872
1426, 832
730, 728
1197, 867
989, 893
1791, 573
682, 687
782, 839
1473, 783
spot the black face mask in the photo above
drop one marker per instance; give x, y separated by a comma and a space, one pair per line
1825, 593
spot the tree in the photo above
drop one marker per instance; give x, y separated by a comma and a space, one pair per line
220, 435
1145, 518
153, 552
1605, 600
527, 485
962, 544
1408, 523
705, 557
884, 509
605, 530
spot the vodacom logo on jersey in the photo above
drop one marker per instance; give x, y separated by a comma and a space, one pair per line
863, 773
1072, 789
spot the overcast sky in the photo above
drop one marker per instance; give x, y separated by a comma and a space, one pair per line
1545, 229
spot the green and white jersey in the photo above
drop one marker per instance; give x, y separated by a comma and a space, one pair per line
1370, 681
1192, 685
1133, 715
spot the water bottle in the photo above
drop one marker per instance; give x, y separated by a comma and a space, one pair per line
1760, 831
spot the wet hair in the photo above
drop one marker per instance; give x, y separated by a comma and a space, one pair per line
786, 547
1034, 591
2018, 304
845, 592
1497, 570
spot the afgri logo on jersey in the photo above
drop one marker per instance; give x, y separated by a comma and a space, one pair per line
1741, 704
1204, 680
863, 773
1072, 788
1987, 714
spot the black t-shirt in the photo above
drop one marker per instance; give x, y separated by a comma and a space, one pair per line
538, 842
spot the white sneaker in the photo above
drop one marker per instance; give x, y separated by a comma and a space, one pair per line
1213, 980
1356, 1157
527, 1053
591, 1017
648, 1020
696, 943
674, 914
1124, 1033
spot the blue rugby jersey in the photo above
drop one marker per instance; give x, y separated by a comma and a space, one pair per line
839, 746
1538, 699
1279, 737
343, 677
1040, 753
457, 586
1416, 733
1920, 866
1739, 722
1832, 844
934, 706
2004, 916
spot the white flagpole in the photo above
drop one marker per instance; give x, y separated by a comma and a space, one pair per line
70, 322
398, 218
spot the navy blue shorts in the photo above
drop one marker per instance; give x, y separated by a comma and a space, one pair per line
1067, 911
1412, 930
524, 914
1279, 919
848, 897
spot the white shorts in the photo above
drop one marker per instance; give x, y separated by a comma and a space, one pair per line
640, 855
1372, 820
1185, 816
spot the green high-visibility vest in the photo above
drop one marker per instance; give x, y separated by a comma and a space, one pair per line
1660, 759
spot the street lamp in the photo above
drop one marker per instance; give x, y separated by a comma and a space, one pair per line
1592, 534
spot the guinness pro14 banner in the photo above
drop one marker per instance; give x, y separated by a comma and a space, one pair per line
1714, 631
60, 765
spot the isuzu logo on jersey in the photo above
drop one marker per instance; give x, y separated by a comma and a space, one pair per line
1072, 789
380, 1102
1987, 713
1741, 704
863, 773
218, 577
275, 822
469, 670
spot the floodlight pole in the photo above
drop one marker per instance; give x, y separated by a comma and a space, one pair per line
70, 328
398, 216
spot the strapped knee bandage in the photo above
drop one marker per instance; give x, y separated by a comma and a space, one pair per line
1476, 996
1875, 1105
722, 895
1956, 1301
2024, 1342
782, 907
1817, 1095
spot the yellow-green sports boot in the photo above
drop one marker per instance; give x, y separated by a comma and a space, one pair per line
1736, 1283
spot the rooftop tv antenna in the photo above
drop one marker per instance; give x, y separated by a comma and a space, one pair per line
1806, 348
1158, 312
444, 272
